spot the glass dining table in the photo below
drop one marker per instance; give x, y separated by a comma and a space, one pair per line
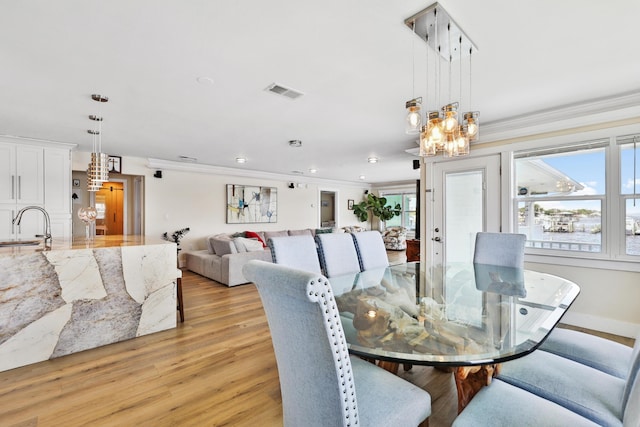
467, 318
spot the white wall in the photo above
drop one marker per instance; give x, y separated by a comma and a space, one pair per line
609, 300
198, 200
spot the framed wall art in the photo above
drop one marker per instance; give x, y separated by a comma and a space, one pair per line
247, 204
350, 204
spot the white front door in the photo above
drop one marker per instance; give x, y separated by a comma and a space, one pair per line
464, 199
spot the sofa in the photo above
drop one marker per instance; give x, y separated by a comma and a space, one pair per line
226, 254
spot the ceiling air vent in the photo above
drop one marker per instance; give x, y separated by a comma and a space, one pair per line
284, 91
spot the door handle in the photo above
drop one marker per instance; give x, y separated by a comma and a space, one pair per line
436, 239
19, 188
13, 187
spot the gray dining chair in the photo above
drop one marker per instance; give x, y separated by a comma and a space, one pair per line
503, 249
337, 252
502, 405
498, 263
370, 249
321, 384
604, 399
599, 353
295, 251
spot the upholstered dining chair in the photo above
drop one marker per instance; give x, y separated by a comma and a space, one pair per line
503, 249
296, 252
502, 405
599, 353
498, 263
337, 252
321, 384
370, 249
604, 399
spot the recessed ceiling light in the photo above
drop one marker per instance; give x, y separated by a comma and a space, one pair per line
295, 143
362, 177
205, 80
372, 160
312, 170
241, 160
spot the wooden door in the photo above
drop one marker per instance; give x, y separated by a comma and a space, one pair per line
109, 204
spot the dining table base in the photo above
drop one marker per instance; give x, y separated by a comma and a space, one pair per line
470, 379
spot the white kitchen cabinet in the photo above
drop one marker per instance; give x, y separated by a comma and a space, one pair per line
35, 174
22, 174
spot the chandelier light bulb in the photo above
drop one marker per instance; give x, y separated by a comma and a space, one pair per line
471, 125
413, 121
450, 117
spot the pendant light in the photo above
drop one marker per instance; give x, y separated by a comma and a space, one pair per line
98, 171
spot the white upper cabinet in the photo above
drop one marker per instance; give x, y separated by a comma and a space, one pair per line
22, 179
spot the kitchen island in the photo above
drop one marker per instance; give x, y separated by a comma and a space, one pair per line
75, 295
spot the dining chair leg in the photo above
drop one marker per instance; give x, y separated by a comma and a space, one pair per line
180, 304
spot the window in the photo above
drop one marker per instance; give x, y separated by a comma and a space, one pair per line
629, 191
407, 218
566, 201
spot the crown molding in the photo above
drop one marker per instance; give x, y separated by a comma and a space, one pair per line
248, 173
36, 141
575, 115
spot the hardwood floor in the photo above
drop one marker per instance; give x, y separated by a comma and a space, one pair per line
216, 369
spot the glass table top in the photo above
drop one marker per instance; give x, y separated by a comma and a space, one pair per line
453, 315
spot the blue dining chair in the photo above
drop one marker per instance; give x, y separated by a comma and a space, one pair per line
370, 249
321, 384
296, 252
337, 252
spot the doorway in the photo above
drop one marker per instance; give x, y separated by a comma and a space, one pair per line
328, 209
465, 199
129, 209
110, 207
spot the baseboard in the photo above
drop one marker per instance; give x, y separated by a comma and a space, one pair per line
602, 324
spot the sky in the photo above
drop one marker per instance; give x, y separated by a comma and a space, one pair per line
588, 168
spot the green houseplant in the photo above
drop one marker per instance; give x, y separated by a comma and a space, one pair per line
377, 206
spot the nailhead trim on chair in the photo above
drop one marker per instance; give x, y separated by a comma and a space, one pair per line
319, 291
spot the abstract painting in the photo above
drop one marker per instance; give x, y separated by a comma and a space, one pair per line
250, 204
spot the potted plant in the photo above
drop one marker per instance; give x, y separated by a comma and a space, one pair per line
377, 206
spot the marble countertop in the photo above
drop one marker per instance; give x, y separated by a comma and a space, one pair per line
81, 243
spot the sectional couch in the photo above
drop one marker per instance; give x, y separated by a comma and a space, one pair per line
226, 254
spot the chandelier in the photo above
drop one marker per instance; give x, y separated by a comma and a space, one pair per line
443, 130
98, 171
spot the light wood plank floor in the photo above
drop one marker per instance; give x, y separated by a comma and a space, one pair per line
216, 369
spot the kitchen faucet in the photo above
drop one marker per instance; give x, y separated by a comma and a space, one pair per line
47, 231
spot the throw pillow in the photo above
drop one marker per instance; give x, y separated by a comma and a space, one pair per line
249, 245
254, 235
224, 246
240, 247
210, 247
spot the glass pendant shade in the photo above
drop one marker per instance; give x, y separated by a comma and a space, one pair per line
427, 147
450, 113
471, 125
436, 133
413, 121
461, 142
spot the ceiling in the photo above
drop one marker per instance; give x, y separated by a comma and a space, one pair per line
353, 60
